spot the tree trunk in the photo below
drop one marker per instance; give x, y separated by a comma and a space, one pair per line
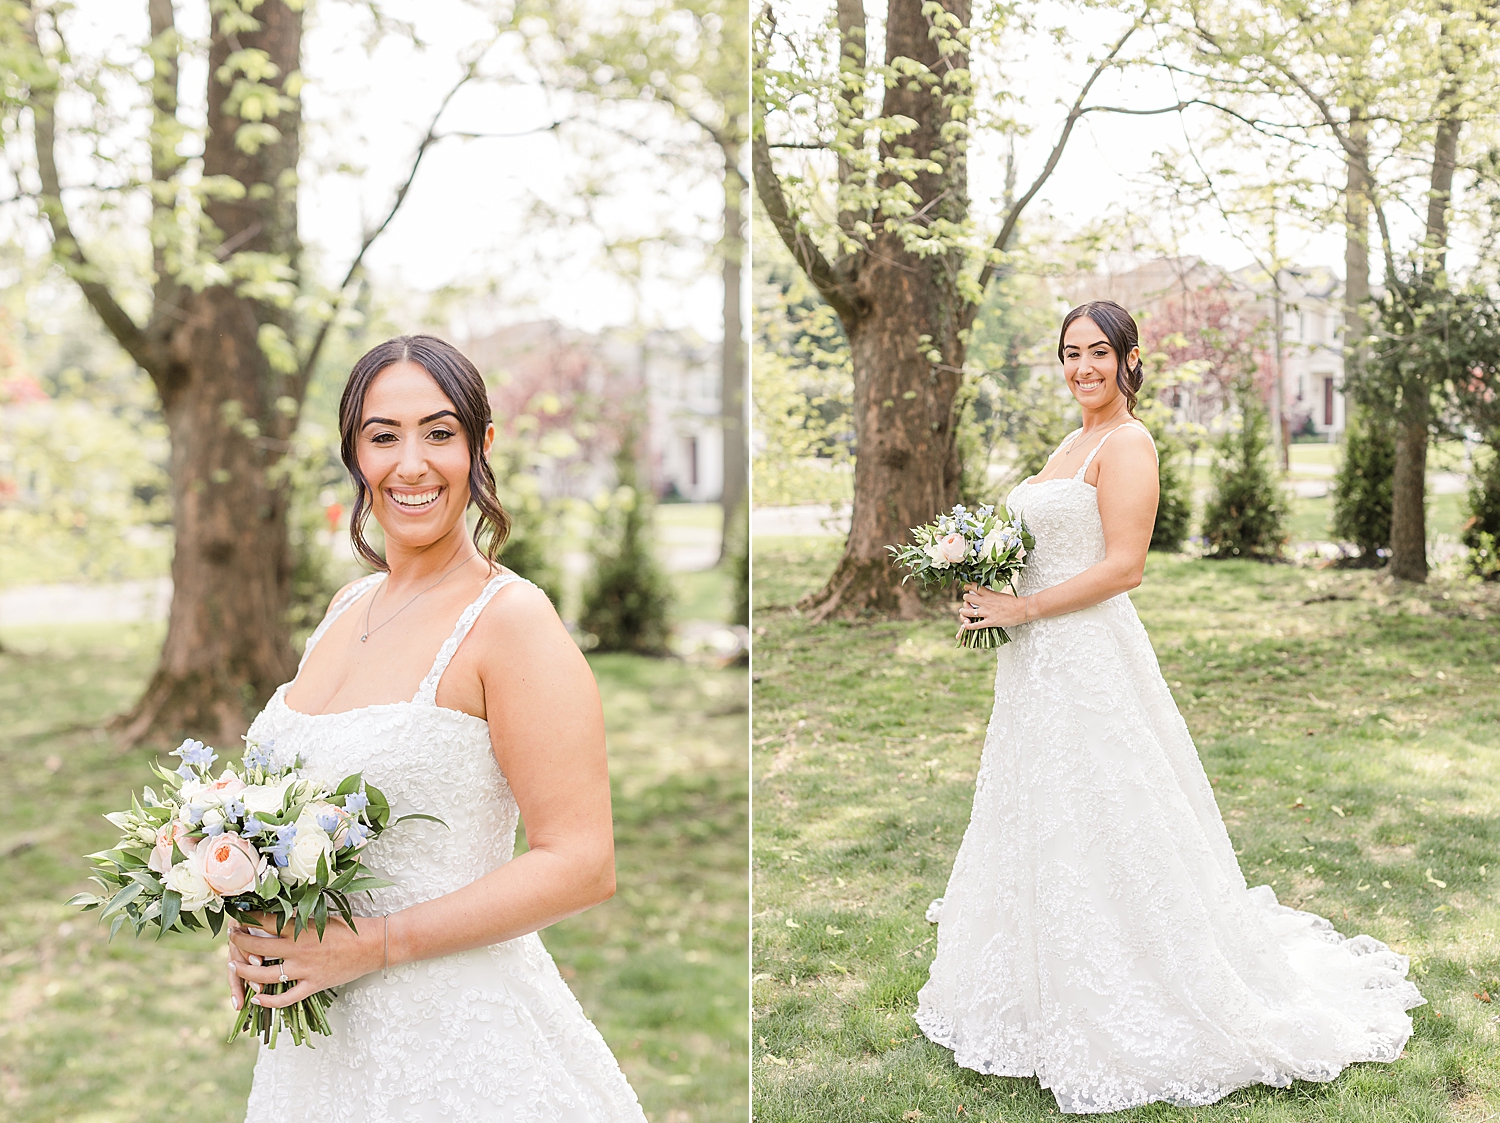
230, 416
732, 384
1356, 236
903, 325
227, 644
1409, 493
1409, 496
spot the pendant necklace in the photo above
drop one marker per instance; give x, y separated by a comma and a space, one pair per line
369, 630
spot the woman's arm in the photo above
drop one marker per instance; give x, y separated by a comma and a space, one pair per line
547, 729
1127, 493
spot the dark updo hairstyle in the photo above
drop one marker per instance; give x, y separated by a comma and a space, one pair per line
458, 378
1119, 328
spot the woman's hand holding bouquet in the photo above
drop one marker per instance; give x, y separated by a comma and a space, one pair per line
987, 547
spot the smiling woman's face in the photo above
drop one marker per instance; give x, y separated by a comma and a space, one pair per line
1091, 365
414, 455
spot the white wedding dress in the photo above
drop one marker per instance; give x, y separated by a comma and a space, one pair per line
1096, 931
492, 1034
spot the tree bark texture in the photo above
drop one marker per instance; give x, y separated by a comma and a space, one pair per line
229, 414
902, 314
1409, 492
1409, 483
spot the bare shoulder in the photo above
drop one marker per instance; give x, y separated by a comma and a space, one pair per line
520, 625
1135, 441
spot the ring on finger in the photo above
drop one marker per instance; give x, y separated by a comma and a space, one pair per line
284, 980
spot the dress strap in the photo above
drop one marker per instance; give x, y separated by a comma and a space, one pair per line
352, 594
427, 692
1089, 459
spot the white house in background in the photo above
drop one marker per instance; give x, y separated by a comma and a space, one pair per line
682, 377
672, 378
1312, 341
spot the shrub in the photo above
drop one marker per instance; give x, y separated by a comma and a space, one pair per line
1246, 515
626, 601
1174, 507
526, 552
1481, 534
1362, 488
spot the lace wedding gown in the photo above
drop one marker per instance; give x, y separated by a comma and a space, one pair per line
1096, 931
492, 1034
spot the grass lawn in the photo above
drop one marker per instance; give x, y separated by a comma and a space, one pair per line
92, 1032
1306, 690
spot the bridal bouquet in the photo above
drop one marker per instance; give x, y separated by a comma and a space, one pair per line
986, 547
260, 838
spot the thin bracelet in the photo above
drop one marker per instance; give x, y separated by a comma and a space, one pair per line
1027, 608
385, 959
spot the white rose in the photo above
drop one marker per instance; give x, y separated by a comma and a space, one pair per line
994, 542
186, 878
311, 841
936, 554
189, 789
265, 799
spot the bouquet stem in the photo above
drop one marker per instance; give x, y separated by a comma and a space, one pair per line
982, 639
301, 1019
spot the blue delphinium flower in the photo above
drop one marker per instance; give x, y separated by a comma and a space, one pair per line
193, 814
195, 752
356, 835
328, 821
252, 827
355, 802
235, 809
187, 771
285, 836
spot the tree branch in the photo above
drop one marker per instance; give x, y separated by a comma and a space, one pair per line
43, 101
817, 267
1013, 215
428, 140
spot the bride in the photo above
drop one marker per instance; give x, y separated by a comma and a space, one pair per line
451, 684
1097, 931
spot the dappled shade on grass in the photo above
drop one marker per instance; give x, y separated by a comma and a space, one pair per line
1351, 730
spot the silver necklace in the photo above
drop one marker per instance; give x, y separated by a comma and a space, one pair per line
369, 630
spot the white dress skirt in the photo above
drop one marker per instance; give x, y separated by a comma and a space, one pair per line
1096, 931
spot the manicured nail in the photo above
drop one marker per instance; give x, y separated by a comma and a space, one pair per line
255, 959
255, 1000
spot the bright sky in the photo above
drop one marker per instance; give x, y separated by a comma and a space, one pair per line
468, 219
